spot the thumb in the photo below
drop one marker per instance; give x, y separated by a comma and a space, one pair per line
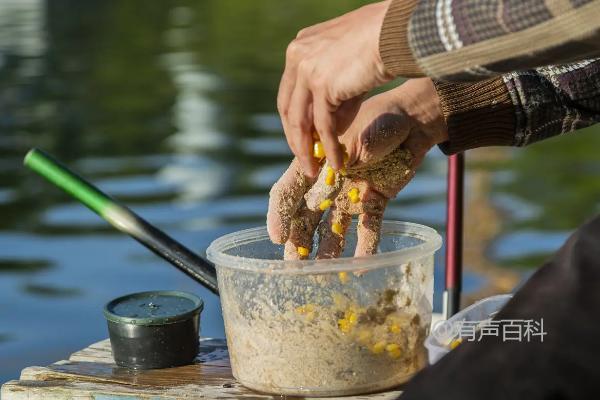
372, 137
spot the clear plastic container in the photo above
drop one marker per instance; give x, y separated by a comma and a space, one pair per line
328, 327
445, 332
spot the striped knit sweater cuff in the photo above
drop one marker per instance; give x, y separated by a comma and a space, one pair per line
394, 50
477, 114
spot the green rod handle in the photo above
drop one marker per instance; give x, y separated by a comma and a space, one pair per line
124, 219
76, 186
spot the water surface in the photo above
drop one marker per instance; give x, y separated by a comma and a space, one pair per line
170, 107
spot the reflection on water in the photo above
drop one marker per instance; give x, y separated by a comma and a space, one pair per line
170, 106
42, 290
22, 266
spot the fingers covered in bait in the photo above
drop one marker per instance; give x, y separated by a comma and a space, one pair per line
332, 234
302, 229
325, 188
297, 204
285, 199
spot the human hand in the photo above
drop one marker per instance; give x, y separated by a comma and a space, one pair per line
328, 69
385, 143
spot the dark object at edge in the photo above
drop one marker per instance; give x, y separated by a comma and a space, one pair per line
565, 366
160, 342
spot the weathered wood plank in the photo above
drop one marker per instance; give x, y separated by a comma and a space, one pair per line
92, 374
50, 390
62, 390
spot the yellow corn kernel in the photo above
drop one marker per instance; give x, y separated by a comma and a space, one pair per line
395, 353
303, 251
395, 328
354, 195
330, 177
310, 316
325, 204
392, 347
336, 228
318, 150
363, 337
344, 278
353, 318
300, 309
378, 347
454, 344
343, 172
344, 325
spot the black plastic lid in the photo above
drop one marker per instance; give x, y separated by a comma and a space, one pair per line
153, 308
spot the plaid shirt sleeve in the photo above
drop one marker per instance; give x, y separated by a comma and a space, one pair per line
477, 39
472, 47
520, 108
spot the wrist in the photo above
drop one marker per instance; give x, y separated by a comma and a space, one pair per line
477, 114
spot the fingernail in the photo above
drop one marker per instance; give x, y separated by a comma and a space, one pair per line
332, 161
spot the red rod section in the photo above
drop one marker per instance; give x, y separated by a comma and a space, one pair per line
454, 231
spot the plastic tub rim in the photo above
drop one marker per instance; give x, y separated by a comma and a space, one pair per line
154, 321
432, 241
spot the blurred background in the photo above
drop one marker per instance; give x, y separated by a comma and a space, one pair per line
170, 107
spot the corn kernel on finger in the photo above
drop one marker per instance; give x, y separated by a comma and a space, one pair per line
354, 195
318, 150
330, 177
325, 204
337, 228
